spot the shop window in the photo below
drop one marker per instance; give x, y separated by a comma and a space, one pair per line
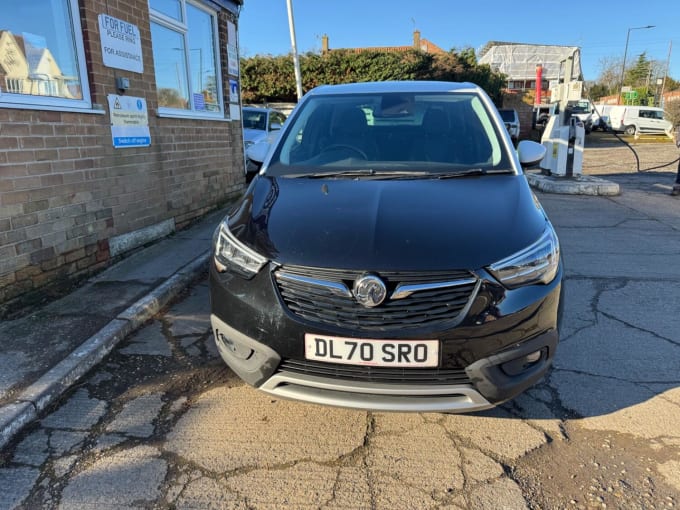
184, 40
42, 62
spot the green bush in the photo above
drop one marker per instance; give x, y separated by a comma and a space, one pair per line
272, 78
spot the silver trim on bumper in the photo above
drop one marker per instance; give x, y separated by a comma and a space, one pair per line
375, 396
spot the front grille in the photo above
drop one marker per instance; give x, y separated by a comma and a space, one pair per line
446, 376
323, 305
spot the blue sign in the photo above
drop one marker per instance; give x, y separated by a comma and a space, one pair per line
131, 141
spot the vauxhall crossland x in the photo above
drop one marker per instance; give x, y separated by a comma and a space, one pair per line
389, 255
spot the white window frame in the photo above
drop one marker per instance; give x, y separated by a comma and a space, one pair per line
32, 102
182, 28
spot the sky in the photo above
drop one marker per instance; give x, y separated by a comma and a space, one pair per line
599, 28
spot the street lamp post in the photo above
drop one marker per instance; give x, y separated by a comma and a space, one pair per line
296, 60
625, 53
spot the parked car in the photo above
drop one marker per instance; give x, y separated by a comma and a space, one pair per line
542, 114
634, 120
258, 122
390, 255
511, 120
583, 110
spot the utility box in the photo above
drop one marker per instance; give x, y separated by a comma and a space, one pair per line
564, 147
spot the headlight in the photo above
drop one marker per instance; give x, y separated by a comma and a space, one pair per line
231, 254
538, 263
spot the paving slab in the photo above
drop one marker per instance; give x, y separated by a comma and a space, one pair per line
80, 412
137, 417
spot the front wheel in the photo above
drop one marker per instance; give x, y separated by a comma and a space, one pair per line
630, 130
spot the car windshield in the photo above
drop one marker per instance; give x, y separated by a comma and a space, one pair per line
579, 106
254, 119
507, 115
401, 133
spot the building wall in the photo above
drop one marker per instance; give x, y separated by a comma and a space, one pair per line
522, 102
65, 192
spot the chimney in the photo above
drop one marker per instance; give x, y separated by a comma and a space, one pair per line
416, 39
324, 44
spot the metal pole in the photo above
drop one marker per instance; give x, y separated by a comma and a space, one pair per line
296, 61
623, 68
668, 63
625, 53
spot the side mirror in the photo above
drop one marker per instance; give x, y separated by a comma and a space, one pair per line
274, 126
530, 153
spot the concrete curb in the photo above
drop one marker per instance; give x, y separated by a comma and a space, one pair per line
29, 403
579, 185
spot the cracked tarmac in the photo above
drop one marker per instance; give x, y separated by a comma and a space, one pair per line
163, 423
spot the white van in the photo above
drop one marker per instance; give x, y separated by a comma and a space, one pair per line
635, 120
600, 116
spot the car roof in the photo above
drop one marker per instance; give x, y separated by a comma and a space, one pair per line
260, 109
394, 86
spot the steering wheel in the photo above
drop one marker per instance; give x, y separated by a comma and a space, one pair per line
342, 146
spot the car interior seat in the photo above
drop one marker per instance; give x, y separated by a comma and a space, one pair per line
435, 142
349, 128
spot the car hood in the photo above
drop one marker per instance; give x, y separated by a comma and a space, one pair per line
459, 223
253, 135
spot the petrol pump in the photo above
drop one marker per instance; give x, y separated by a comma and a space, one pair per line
564, 135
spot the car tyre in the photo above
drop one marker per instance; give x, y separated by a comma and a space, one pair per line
630, 130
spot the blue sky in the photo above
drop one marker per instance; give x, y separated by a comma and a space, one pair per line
599, 28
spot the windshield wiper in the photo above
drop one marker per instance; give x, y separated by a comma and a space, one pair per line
468, 172
372, 173
364, 172
335, 173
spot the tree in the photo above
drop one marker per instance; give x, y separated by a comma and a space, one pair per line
598, 90
671, 84
672, 109
640, 74
268, 78
610, 75
171, 98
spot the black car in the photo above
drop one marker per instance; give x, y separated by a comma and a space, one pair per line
390, 255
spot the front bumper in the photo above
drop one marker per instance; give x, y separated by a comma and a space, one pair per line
489, 384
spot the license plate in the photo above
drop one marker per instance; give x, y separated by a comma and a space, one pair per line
377, 353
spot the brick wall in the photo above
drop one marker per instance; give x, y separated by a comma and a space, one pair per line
65, 191
518, 101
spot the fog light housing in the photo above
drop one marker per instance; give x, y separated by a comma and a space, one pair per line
524, 363
239, 351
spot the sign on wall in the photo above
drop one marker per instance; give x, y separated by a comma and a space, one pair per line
121, 44
129, 121
232, 49
233, 91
